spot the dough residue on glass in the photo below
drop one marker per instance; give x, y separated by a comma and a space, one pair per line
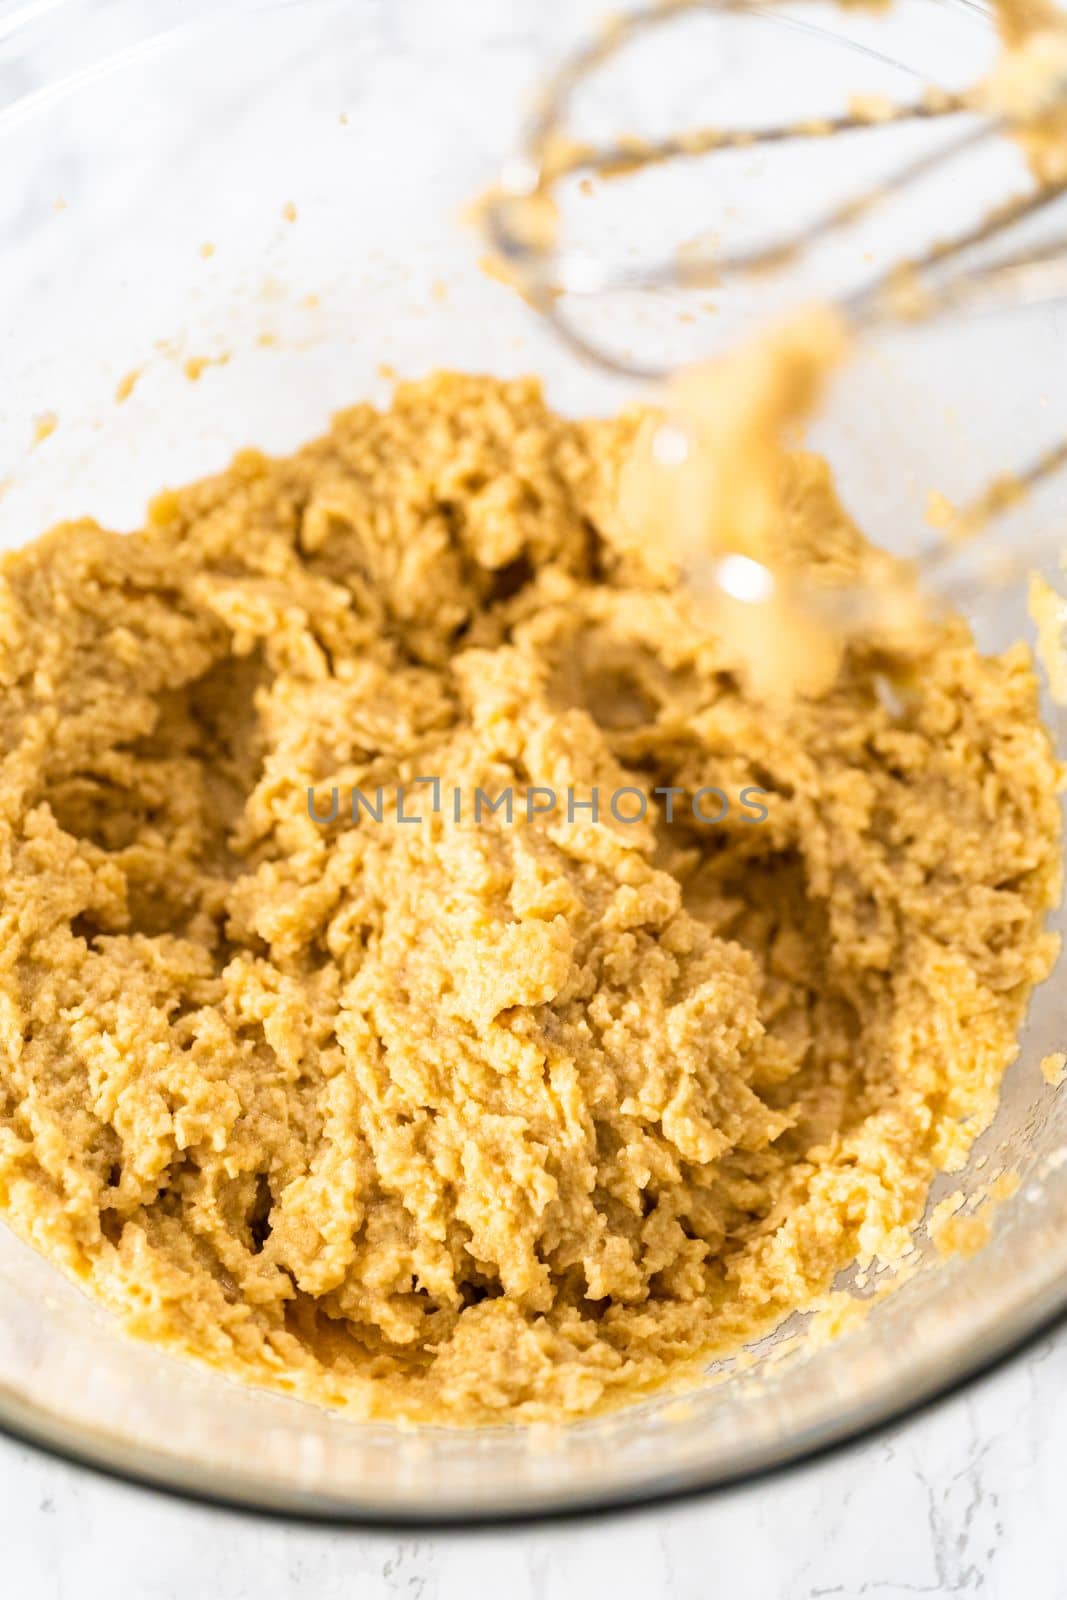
506, 1118
1054, 1068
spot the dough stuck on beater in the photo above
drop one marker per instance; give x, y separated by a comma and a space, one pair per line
712, 483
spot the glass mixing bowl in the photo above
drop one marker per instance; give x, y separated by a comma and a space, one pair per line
220, 220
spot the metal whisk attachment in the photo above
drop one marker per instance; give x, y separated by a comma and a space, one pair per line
957, 274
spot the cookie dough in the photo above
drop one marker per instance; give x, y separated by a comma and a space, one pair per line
495, 1118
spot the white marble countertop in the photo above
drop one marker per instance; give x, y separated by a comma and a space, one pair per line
965, 1500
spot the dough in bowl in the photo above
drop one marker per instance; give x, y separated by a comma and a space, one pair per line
496, 1114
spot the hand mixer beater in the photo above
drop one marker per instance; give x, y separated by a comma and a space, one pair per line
981, 266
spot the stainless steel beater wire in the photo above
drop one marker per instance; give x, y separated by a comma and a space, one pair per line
876, 302
998, 497
633, 153
1031, 277
543, 300
687, 273
551, 114
841, 216
872, 305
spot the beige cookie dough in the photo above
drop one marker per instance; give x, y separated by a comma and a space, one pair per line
494, 1119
